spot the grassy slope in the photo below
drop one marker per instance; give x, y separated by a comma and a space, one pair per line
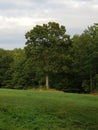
33, 110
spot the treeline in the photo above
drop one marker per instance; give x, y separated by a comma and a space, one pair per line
52, 59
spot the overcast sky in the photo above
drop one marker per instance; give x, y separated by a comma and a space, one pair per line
19, 16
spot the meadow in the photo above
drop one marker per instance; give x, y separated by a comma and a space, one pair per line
47, 110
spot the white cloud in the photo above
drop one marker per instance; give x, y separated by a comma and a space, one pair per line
11, 46
17, 3
13, 30
10, 22
17, 17
95, 6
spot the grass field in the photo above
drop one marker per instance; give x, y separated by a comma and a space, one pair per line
42, 110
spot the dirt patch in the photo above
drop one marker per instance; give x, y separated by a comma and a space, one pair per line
94, 94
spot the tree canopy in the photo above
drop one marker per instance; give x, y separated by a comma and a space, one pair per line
53, 59
47, 45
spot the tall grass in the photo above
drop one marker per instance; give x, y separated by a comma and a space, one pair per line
35, 110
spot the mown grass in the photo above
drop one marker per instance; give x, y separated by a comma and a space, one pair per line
35, 110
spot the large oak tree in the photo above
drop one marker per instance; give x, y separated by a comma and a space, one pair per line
47, 46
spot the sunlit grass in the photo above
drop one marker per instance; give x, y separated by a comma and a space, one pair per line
42, 110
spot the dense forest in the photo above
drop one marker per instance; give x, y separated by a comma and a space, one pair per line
52, 58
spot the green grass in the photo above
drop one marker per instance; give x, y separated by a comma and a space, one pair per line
35, 110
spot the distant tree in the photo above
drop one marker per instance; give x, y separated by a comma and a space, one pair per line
18, 76
83, 48
85, 55
92, 31
5, 68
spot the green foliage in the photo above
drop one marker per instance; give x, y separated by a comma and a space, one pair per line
31, 110
5, 68
47, 47
51, 59
85, 50
18, 67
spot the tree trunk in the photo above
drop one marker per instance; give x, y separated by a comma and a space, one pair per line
91, 83
47, 81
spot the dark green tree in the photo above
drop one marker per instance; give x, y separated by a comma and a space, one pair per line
82, 49
85, 54
47, 46
6, 60
18, 76
92, 31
